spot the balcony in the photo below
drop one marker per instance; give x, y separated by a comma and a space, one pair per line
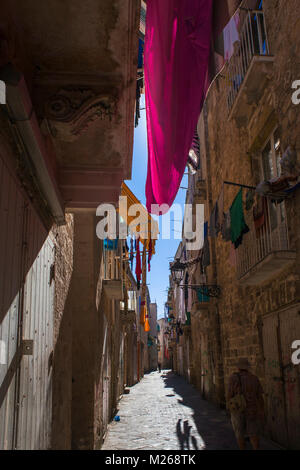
112, 281
263, 256
128, 309
249, 68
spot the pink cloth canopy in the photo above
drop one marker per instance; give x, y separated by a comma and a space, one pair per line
177, 49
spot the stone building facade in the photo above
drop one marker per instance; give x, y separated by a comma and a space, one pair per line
247, 125
152, 337
163, 356
66, 139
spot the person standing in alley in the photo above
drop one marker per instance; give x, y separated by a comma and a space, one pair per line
246, 405
159, 367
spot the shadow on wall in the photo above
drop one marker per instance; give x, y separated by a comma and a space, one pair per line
213, 426
77, 381
85, 387
18, 251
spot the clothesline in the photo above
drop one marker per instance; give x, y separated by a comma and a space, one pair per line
284, 193
240, 185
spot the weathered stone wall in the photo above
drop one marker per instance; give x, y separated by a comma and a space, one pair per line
62, 337
165, 362
229, 152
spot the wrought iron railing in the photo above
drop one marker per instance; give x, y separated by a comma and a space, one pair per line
258, 244
253, 42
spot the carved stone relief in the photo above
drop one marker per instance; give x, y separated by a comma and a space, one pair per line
72, 110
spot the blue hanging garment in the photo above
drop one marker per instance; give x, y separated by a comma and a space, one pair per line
110, 244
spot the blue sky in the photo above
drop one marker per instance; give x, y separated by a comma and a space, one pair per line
158, 278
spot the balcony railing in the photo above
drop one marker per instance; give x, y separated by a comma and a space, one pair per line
112, 260
253, 42
112, 279
263, 254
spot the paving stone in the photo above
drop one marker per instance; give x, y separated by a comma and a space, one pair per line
164, 412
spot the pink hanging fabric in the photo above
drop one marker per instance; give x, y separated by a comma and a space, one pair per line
177, 49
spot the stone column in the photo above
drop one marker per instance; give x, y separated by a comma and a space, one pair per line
86, 329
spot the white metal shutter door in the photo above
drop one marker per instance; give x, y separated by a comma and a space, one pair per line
12, 205
289, 332
273, 389
35, 410
106, 385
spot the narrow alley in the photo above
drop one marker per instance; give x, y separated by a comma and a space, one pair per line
164, 412
149, 225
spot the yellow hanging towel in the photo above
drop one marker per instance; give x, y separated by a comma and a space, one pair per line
143, 314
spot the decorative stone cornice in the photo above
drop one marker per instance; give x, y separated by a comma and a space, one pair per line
71, 111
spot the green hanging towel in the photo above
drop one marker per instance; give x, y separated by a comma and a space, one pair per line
238, 226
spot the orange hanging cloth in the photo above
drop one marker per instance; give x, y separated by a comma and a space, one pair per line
143, 314
147, 325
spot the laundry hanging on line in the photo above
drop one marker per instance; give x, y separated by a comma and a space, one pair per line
226, 227
231, 36
260, 213
150, 254
126, 250
238, 226
249, 199
138, 268
277, 189
178, 38
214, 227
131, 257
110, 244
206, 250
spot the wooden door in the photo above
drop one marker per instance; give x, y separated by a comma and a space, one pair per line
274, 389
289, 322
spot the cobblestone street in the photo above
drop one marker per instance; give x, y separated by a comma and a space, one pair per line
164, 412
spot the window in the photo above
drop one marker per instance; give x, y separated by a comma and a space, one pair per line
271, 156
